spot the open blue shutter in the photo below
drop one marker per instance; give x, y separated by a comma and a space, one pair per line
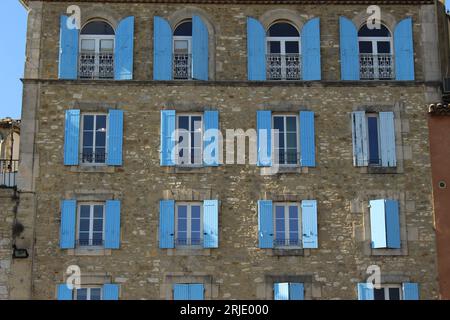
71, 137
392, 224
200, 57
264, 138
162, 49
68, 222
309, 224
211, 142
349, 50
378, 224
265, 224
180, 291
123, 57
115, 138
167, 144
166, 224
196, 291
410, 291
360, 139
64, 293
281, 291
256, 47
110, 292
211, 223
311, 50
387, 139
404, 50
307, 139
112, 224
296, 291
365, 291
68, 50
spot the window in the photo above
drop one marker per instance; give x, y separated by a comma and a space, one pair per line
388, 292
283, 52
288, 142
190, 139
96, 58
92, 293
287, 225
91, 224
385, 224
93, 138
182, 51
189, 222
288, 291
375, 52
373, 135
188, 291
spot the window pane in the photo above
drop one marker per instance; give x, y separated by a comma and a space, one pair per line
384, 47
106, 45
195, 212
278, 123
379, 294
365, 47
293, 225
195, 238
98, 224
291, 139
293, 212
84, 224
83, 238
100, 155
88, 45
100, 139
183, 122
88, 139
292, 47
98, 211
85, 211
82, 294
181, 46
291, 124
97, 238
88, 154
195, 225
291, 156
283, 29
196, 123
184, 29
98, 27
182, 211
182, 224
374, 157
366, 32
100, 123
274, 47
88, 122
394, 294
279, 212
95, 293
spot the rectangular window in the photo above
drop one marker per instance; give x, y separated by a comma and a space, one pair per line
91, 293
287, 225
388, 292
374, 139
189, 224
287, 144
93, 144
288, 291
190, 140
91, 224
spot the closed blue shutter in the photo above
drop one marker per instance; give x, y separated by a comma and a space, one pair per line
112, 224
111, 292
200, 57
256, 47
180, 291
64, 293
123, 57
310, 39
387, 139
378, 224
281, 291
166, 224
71, 137
309, 224
167, 143
365, 291
211, 224
211, 139
196, 291
68, 222
115, 138
392, 224
296, 291
307, 139
410, 291
162, 49
68, 50
264, 137
349, 50
404, 50
360, 139
265, 224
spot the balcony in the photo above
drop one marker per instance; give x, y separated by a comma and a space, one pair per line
8, 173
96, 65
187, 242
283, 243
283, 66
86, 243
182, 66
376, 66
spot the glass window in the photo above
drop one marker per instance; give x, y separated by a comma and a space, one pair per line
94, 139
287, 224
287, 149
189, 228
388, 292
97, 28
90, 224
88, 294
182, 43
190, 140
373, 136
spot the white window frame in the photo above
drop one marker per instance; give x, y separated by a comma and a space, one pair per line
377, 116
386, 288
91, 223
97, 39
88, 292
275, 155
189, 206
93, 163
286, 206
374, 41
282, 41
189, 41
190, 164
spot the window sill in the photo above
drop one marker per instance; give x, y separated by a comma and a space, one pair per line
190, 169
89, 252
403, 251
379, 170
284, 170
289, 252
189, 252
94, 169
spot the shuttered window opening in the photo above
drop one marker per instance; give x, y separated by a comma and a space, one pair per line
404, 291
288, 291
385, 224
188, 291
287, 221
105, 292
189, 151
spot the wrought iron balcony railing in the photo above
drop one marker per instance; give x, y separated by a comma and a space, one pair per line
376, 66
283, 66
286, 157
287, 243
93, 157
90, 243
8, 173
182, 66
96, 65
188, 242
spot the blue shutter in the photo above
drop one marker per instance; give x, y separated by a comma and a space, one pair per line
307, 139
392, 224
281, 291
410, 291
211, 224
387, 139
162, 49
123, 53
264, 122
360, 139
112, 224
211, 140
166, 224
68, 50
71, 137
349, 50
256, 47
167, 143
68, 222
265, 224
180, 291
200, 57
296, 291
196, 291
64, 293
110, 292
309, 224
310, 39
378, 224
365, 291
115, 138
404, 50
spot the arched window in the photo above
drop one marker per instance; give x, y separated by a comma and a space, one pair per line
375, 50
182, 50
96, 59
283, 52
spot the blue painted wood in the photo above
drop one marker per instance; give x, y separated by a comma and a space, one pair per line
309, 224
111, 291
200, 45
167, 137
68, 224
265, 224
64, 293
256, 47
71, 137
310, 39
162, 49
378, 224
196, 291
123, 52
211, 223
211, 137
115, 138
404, 50
360, 139
307, 139
392, 224
264, 137
349, 50
410, 291
166, 224
387, 140
296, 291
281, 291
68, 49
180, 291
112, 224
365, 291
